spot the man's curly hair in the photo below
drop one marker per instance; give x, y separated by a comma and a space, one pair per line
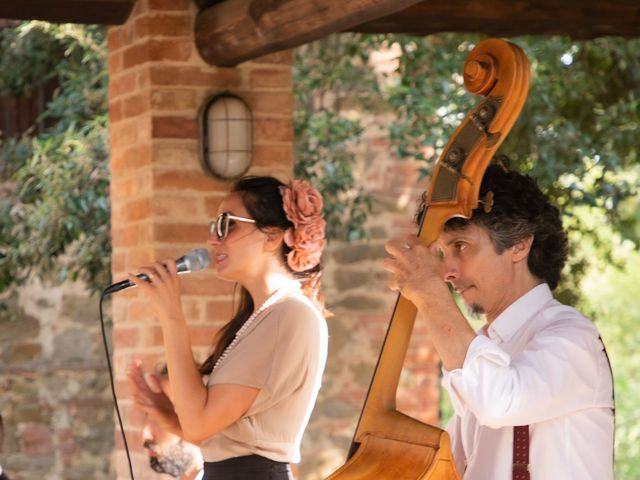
519, 209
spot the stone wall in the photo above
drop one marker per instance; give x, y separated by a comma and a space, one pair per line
54, 392
355, 286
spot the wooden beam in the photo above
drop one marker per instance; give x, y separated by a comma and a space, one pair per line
505, 18
202, 4
107, 12
233, 31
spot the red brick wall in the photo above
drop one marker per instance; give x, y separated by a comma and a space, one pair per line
54, 395
162, 202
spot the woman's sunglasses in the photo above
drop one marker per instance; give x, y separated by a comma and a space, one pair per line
220, 227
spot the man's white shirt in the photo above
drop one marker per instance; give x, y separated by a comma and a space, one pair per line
542, 364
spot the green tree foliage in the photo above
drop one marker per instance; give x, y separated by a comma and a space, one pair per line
331, 77
577, 133
612, 299
54, 207
584, 152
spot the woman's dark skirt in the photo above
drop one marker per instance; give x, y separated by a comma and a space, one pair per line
250, 467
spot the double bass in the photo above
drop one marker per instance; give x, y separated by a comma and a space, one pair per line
388, 444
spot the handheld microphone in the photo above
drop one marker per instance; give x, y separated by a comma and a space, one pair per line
193, 261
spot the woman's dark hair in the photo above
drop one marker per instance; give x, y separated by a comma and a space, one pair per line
262, 198
519, 209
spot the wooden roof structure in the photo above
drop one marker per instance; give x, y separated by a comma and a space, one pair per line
228, 32
107, 12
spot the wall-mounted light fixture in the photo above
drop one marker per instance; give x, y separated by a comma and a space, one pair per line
225, 136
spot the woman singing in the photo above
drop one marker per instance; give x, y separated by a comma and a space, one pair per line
248, 404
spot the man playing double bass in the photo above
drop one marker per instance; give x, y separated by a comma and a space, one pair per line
532, 389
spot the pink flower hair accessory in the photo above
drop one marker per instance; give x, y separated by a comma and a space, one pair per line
303, 207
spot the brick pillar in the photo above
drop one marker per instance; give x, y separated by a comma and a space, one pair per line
162, 202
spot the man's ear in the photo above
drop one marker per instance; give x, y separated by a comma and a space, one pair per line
520, 250
275, 237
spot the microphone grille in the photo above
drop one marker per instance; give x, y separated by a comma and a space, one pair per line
198, 259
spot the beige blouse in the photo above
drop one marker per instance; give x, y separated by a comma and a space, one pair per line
283, 353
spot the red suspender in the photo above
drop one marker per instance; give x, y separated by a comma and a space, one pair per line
521, 453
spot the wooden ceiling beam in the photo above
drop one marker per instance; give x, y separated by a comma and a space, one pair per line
233, 31
506, 18
107, 12
202, 4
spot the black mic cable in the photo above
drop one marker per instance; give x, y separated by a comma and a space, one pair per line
193, 261
113, 387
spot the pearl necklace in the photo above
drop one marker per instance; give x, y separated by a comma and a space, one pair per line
272, 300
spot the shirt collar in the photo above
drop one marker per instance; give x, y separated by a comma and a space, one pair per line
518, 313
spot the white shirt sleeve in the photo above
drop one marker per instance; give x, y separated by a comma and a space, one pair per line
557, 373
